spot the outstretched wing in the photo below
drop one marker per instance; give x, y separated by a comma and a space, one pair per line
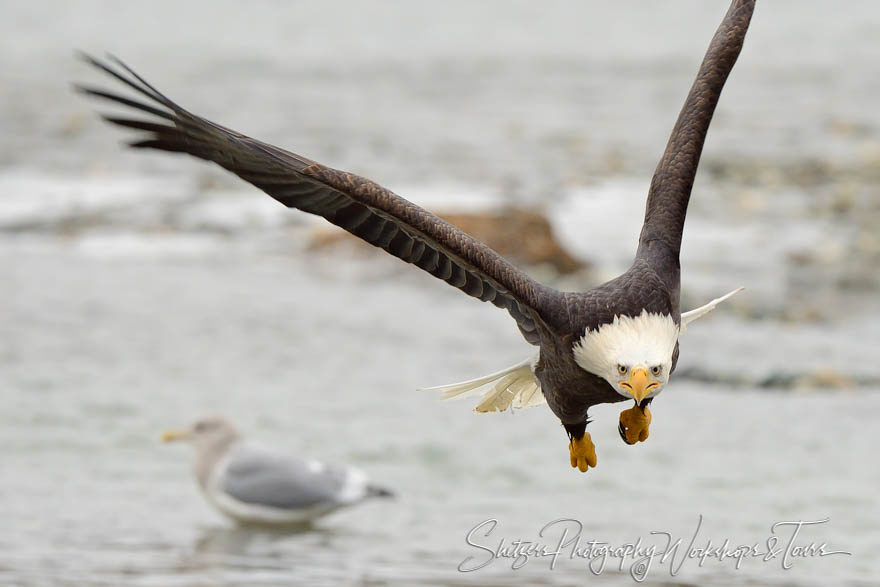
356, 204
671, 186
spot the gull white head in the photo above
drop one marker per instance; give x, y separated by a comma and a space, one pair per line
211, 437
206, 434
633, 354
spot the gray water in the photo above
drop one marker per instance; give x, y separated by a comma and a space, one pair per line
142, 291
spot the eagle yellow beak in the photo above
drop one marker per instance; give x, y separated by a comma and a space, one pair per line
172, 435
638, 383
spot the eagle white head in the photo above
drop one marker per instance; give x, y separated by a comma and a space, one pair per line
633, 354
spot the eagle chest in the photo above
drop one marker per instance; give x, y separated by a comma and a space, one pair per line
568, 389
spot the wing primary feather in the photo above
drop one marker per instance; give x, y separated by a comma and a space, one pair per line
139, 124
162, 144
123, 100
148, 91
372, 212
156, 94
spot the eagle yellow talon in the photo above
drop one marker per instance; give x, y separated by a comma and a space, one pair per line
582, 452
634, 424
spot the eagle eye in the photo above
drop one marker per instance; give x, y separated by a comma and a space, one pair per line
655, 370
622, 369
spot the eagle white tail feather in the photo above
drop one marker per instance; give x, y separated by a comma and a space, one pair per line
515, 386
689, 317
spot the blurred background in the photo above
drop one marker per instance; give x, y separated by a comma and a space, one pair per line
140, 291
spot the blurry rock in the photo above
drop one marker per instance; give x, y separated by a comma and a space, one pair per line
522, 235
844, 198
844, 128
74, 124
823, 379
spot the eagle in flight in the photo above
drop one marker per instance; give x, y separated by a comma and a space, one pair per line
615, 342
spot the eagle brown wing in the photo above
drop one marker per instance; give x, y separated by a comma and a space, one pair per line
356, 204
670, 191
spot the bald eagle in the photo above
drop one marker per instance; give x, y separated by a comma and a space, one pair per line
616, 342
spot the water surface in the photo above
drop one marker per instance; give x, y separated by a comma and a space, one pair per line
141, 291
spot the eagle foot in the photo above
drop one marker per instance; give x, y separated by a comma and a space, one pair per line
634, 424
582, 452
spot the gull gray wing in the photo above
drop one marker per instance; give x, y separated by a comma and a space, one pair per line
674, 178
257, 476
356, 204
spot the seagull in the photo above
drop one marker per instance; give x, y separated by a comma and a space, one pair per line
252, 484
615, 342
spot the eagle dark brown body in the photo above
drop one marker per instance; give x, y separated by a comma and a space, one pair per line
550, 319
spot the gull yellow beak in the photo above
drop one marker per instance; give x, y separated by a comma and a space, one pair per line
172, 435
638, 383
